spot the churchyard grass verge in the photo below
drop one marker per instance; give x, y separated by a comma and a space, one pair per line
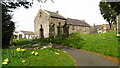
103, 43
37, 57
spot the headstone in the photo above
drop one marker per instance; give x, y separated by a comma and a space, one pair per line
59, 30
66, 30
20, 36
52, 30
118, 25
93, 29
41, 32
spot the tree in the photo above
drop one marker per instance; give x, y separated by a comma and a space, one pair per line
8, 26
115, 6
108, 12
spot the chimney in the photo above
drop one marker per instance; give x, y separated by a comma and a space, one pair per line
57, 11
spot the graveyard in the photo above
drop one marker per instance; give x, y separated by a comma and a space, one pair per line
89, 42
60, 41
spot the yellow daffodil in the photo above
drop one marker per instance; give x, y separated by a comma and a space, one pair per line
36, 53
6, 60
33, 52
22, 49
50, 44
64, 51
56, 53
23, 61
4, 63
18, 49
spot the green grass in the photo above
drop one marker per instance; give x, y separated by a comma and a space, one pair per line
45, 57
103, 43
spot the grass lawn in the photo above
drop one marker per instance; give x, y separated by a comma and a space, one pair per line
45, 57
103, 43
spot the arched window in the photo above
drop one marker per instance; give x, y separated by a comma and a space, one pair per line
40, 14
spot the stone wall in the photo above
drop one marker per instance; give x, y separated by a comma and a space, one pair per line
56, 22
50, 26
47, 22
42, 18
78, 29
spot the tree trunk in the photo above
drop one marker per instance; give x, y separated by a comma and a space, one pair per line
110, 24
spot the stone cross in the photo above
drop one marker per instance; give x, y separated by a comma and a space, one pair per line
41, 32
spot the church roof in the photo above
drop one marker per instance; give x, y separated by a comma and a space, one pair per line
77, 22
55, 15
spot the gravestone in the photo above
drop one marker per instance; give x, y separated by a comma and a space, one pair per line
59, 27
93, 29
51, 30
20, 36
66, 30
41, 32
118, 25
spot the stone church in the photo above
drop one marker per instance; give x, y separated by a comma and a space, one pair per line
52, 24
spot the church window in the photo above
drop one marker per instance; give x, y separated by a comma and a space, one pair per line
40, 14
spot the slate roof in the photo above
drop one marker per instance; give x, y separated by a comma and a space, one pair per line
55, 15
77, 22
28, 32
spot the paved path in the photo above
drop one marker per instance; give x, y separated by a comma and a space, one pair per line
84, 58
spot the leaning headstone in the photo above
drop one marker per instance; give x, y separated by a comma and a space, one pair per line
52, 30
118, 25
41, 32
65, 30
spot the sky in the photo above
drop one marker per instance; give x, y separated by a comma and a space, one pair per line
87, 10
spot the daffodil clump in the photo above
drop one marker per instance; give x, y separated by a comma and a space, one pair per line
5, 61
35, 53
21, 52
57, 53
23, 61
18, 49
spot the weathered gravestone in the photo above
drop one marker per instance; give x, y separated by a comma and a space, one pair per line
41, 32
59, 27
51, 30
65, 30
93, 29
118, 25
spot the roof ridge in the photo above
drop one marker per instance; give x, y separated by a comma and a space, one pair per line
77, 22
55, 15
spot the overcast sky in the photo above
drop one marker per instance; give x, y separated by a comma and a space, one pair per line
87, 10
